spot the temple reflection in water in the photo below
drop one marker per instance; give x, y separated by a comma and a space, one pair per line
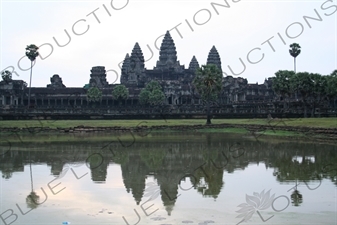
202, 163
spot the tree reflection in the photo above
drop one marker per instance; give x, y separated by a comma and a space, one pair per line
208, 178
32, 199
296, 198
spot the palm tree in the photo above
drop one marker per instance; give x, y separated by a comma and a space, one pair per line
295, 50
31, 53
208, 83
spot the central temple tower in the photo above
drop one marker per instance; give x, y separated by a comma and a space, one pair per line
168, 56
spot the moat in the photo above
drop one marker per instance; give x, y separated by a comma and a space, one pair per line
184, 178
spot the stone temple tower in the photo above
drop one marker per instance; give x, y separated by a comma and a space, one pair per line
125, 70
133, 69
98, 77
214, 58
194, 65
168, 55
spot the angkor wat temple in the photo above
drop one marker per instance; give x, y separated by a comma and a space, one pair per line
237, 99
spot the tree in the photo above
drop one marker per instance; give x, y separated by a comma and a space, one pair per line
94, 94
295, 50
331, 88
318, 90
6, 76
334, 73
152, 94
144, 97
208, 83
120, 92
281, 84
156, 97
302, 83
312, 87
31, 53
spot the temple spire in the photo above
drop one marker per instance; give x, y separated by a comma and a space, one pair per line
214, 58
133, 69
137, 58
194, 65
125, 69
167, 54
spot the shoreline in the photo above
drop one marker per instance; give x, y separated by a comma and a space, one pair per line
291, 132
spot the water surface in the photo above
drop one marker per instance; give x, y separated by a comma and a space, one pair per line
167, 179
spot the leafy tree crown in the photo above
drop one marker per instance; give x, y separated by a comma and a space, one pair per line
32, 52
208, 82
295, 50
6, 76
120, 92
152, 94
94, 94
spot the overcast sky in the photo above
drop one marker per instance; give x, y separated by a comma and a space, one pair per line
107, 31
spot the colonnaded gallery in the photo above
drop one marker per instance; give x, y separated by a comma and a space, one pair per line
237, 99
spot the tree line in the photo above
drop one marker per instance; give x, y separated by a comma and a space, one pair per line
311, 89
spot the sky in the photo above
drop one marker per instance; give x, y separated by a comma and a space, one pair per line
252, 37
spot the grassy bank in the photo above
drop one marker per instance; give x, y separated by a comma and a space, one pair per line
300, 122
307, 130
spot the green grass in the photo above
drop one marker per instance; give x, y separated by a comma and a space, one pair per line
126, 138
279, 133
304, 122
282, 133
162, 134
223, 130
